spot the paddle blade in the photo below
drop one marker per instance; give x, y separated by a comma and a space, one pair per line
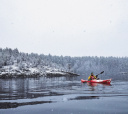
102, 72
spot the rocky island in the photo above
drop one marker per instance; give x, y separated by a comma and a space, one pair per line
14, 71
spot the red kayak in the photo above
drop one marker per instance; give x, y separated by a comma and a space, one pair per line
108, 81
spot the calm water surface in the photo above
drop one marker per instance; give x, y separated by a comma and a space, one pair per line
62, 95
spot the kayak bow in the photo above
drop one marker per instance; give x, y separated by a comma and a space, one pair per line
108, 81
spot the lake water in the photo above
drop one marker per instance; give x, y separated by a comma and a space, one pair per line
62, 95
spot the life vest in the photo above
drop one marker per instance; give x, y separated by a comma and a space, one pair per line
92, 77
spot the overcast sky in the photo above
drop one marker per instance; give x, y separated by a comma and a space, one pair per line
65, 27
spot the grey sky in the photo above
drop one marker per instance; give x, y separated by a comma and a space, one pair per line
65, 27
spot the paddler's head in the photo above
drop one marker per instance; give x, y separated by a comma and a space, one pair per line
91, 73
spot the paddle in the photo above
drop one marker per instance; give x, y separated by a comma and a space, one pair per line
99, 74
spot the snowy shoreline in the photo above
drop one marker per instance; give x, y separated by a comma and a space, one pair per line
14, 71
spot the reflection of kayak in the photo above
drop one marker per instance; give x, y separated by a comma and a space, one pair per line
95, 84
108, 81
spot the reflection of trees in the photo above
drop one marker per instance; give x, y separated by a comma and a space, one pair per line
14, 88
22, 88
28, 88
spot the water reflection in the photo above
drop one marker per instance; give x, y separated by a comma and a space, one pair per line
42, 88
96, 84
22, 88
12, 90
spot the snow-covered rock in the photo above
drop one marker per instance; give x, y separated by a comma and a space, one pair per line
15, 71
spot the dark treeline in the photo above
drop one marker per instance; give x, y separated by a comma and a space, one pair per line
81, 65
